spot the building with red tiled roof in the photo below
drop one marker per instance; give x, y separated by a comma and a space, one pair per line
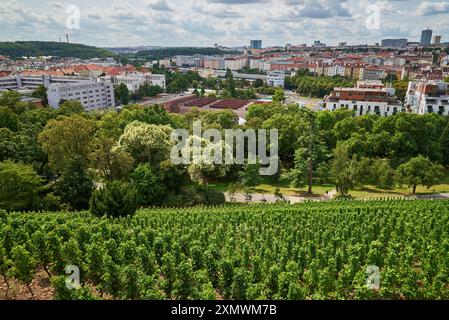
56, 73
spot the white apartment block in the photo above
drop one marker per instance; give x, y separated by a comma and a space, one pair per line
334, 70
428, 97
133, 82
32, 82
276, 79
92, 95
254, 63
155, 79
369, 97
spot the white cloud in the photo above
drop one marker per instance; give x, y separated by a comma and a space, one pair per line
432, 8
228, 22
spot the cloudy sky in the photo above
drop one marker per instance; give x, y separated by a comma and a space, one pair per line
227, 22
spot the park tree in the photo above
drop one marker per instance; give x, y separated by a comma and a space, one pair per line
279, 95
250, 176
74, 185
115, 199
65, 139
310, 154
375, 172
444, 143
148, 182
122, 94
8, 119
146, 142
401, 87
221, 120
342, 167
9, 99
288, 128
420, 171
41, 93
231, 82
112, 162
19, 186
204, 166
70, 107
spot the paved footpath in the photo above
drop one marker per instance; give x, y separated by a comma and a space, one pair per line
270, 198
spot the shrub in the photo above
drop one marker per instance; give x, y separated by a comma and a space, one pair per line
3, 215
148, 184
193, 196
211, 196
63, 293
116, 199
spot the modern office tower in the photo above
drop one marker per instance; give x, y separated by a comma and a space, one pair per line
426, 37
256, 44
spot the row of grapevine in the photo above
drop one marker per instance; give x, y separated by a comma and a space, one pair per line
279, 251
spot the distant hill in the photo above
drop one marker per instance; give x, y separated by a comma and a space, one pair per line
177, 51
44, 48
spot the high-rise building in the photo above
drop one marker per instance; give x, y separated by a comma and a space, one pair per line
426, 37
436, 40
256, 44
318, 44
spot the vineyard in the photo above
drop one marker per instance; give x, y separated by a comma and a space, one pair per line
279, 251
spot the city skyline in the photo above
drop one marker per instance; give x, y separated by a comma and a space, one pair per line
227, 22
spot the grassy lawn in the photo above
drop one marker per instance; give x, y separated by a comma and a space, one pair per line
373, 192
267, 188
367, 192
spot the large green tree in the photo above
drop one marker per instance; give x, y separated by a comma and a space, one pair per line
122, 94
41, 93
19, 186
75, 185
420, 171
67, 138
310, 154
343, 169
147, 142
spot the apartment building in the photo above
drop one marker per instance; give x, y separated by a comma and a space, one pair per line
254, 62
32, 82
332, 70
92, 95
428, 97
236, 64
276, 79
133, 82
214, 63
368, 97
369, 74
